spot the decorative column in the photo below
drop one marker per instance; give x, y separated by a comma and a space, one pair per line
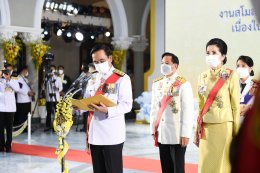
121, 46
29, 38
138, 46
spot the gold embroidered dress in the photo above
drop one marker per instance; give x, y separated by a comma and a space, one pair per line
220, 123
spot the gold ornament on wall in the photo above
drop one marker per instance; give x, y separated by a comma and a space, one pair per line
118, 57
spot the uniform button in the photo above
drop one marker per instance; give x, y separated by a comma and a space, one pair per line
162, 119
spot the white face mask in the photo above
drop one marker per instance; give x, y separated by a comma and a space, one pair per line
166, 69
61, 72
102, 67
212, 61
242, 72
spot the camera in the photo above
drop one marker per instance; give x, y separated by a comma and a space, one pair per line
6, 72
48, 57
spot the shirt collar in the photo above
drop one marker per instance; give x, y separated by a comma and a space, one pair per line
249, 79
172, 77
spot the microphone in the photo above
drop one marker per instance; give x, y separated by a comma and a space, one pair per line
81, 76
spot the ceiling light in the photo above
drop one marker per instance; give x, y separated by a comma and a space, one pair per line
107, 33
67, 35
79, 35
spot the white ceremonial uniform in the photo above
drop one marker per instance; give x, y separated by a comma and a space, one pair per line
7, 95
22, 94
177, 119
247, 88
109, 129
50, 86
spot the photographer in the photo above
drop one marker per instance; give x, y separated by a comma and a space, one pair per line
24, 97
8, 86
66, 82
53, 87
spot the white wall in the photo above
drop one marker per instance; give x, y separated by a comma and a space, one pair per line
191, 24
22, 12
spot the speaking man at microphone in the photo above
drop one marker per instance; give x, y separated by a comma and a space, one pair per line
106, 125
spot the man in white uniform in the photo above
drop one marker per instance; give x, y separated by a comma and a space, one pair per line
106, 127
171, 115
8, 86
24, 97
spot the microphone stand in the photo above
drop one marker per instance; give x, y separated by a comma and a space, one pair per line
75, 87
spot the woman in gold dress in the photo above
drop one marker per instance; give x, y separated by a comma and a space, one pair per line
218, 119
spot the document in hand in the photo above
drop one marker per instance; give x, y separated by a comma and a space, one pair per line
83, 104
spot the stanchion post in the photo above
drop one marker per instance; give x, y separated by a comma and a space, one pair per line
29, 128
63, 158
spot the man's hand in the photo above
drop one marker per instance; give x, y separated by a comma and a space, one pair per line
99, 108
184, 141
31, 93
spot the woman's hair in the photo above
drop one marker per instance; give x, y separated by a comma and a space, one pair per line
221, 45
249, 61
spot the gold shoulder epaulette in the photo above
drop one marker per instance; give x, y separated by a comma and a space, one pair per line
14, 78
157, 79
119, 72
181, 79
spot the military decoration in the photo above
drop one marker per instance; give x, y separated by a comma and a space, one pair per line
224, 74
110, 88
173, 105
202, 89
219, 101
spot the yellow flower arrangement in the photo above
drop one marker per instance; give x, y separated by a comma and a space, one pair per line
118, 57
62, 124
11, 50
42, 102
37, 51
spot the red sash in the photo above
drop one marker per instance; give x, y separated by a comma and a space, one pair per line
209, 101
165, 101
111, 79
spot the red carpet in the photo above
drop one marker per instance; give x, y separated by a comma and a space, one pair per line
135, 163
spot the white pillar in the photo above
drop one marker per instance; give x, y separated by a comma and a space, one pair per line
139, 44
29, 38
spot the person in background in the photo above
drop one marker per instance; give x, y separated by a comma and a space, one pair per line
8, 86
219, 114
247, 84
89, 70
25, 96
245, 148
171, 115
66, 82
53, 87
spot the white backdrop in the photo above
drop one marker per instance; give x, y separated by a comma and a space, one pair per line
191, 24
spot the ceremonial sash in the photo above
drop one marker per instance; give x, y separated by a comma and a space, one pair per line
165, 101
111, 79
208, 103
